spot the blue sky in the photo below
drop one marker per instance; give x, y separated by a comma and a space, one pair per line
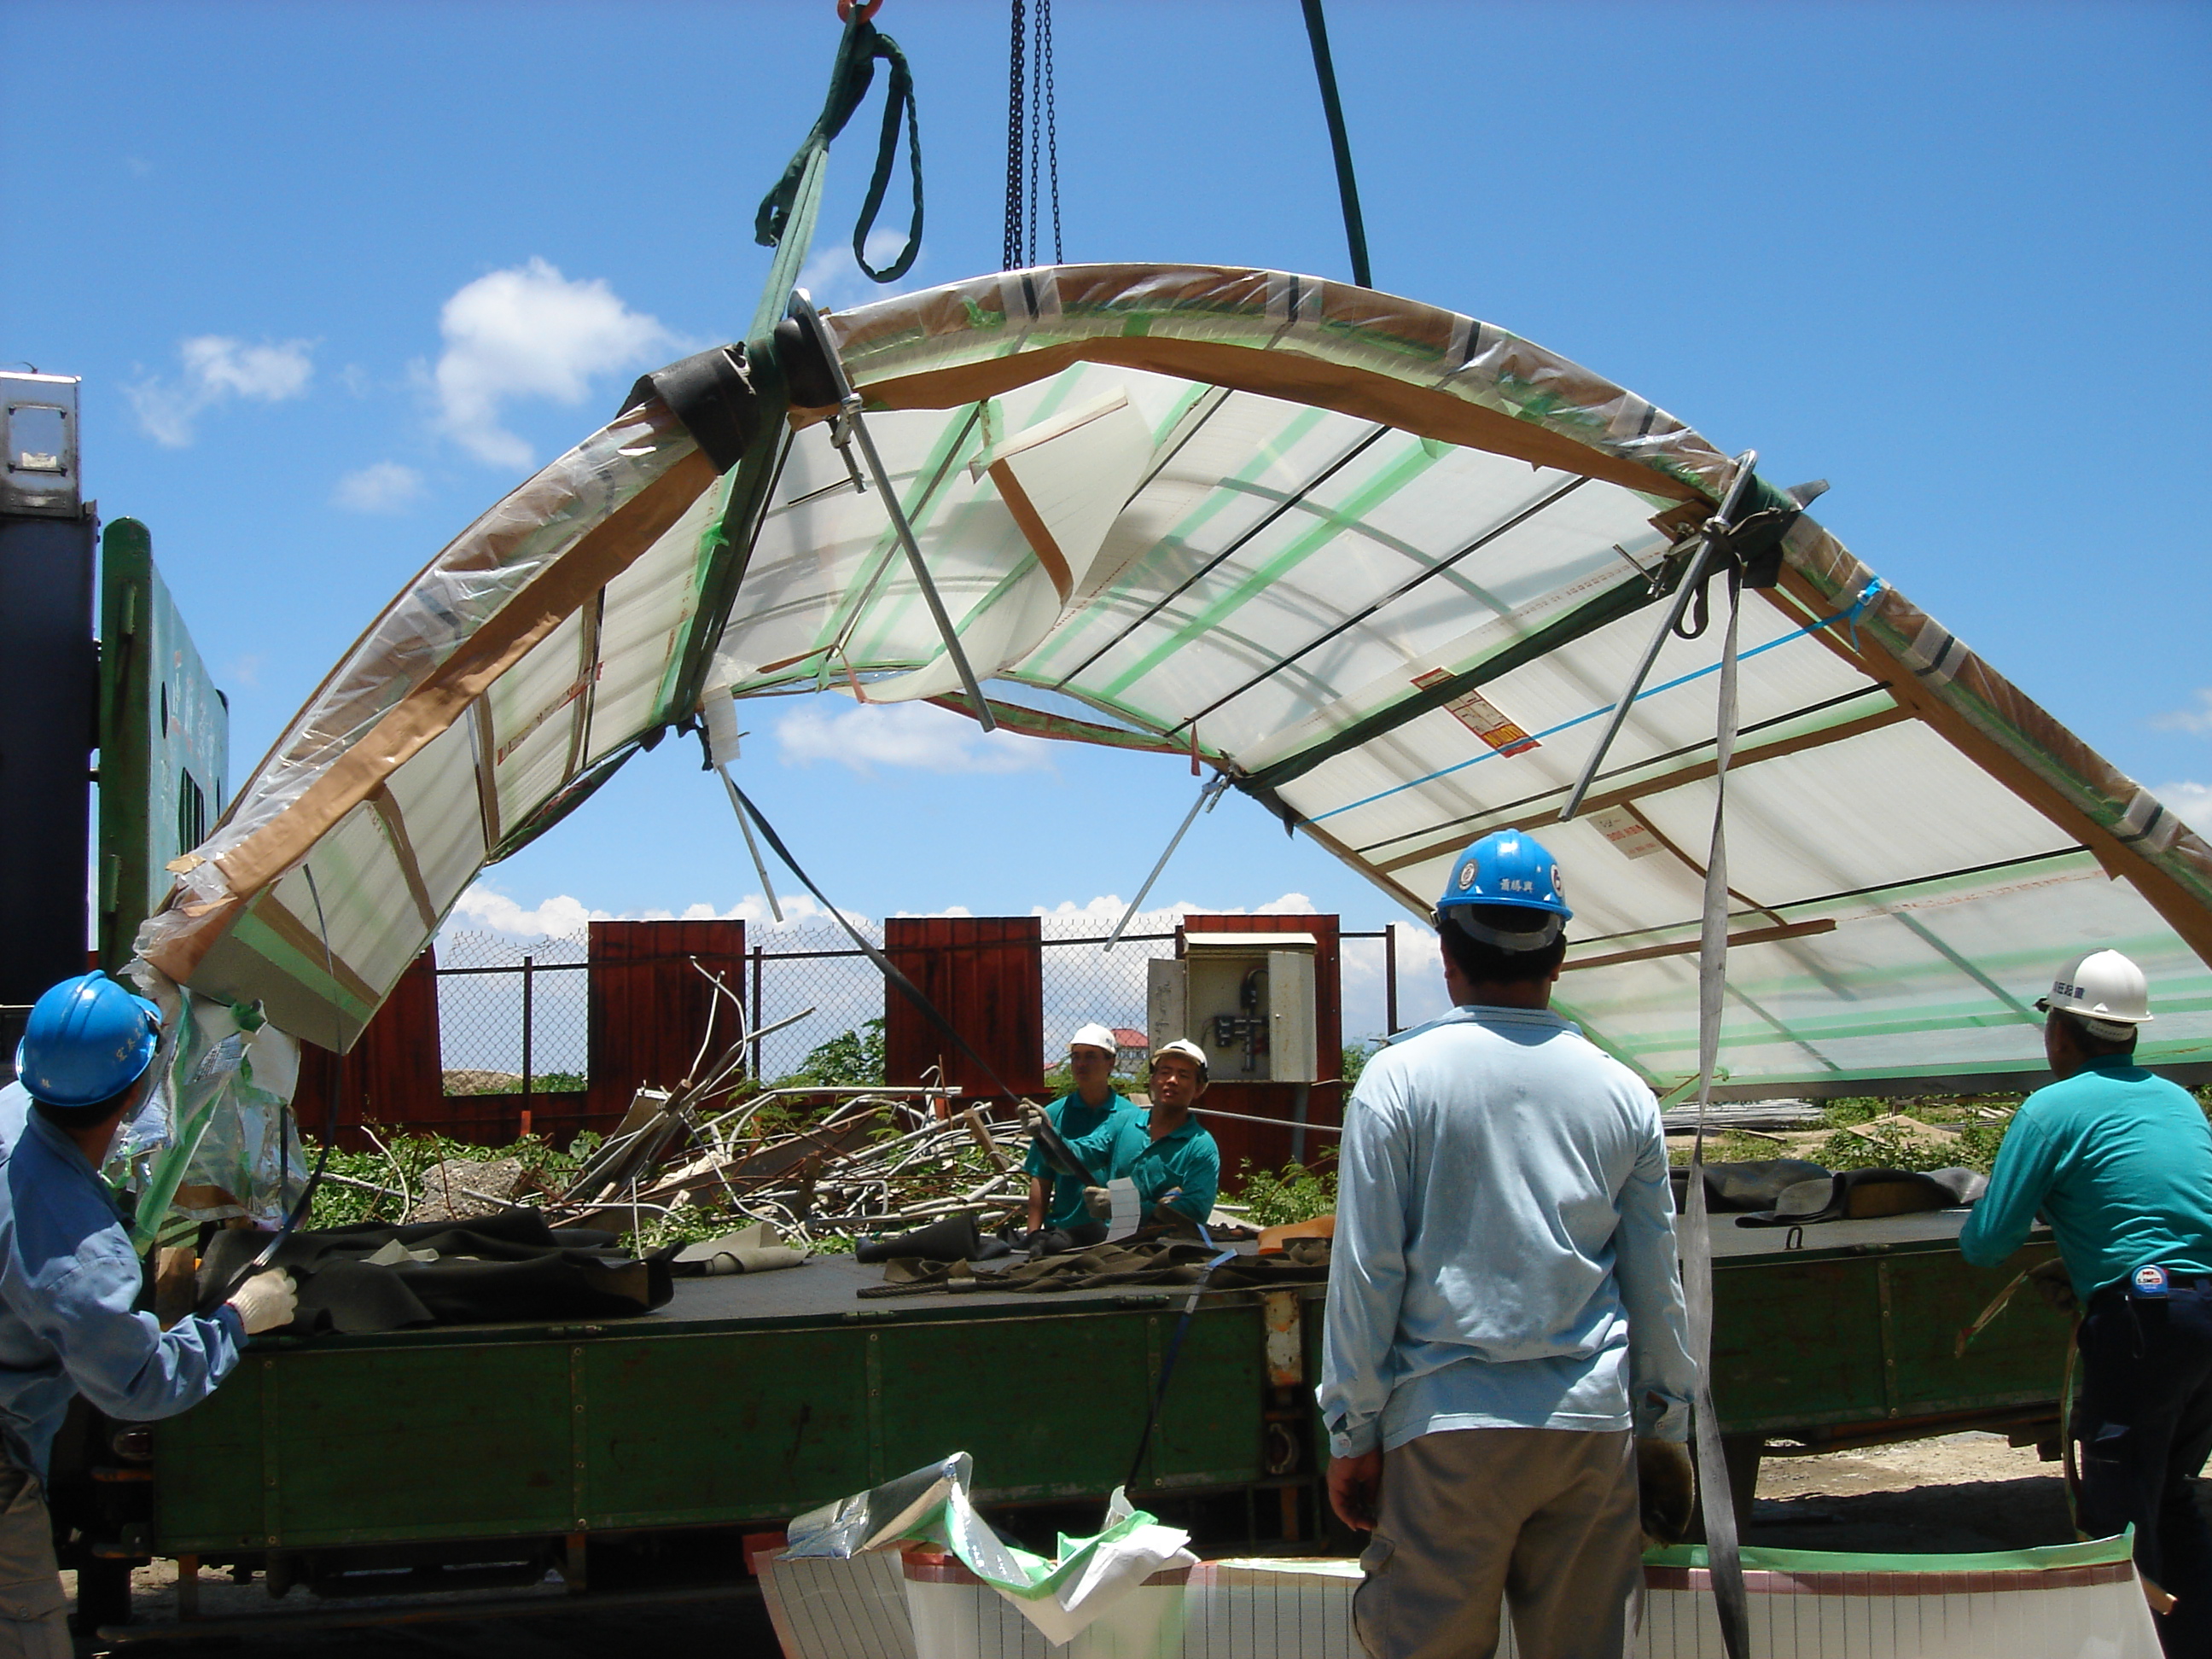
338, 276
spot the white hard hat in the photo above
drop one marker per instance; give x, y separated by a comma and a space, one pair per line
1095, 1035
2105, 990
1183, 1046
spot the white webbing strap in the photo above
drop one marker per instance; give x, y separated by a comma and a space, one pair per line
1722, 1556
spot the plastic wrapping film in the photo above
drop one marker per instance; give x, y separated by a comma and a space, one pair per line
506, 567
1408, 352
1060, 1597
212, 1143
1385, 568
2139, 825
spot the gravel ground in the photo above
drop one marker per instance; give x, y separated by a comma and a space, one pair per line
1966, 1492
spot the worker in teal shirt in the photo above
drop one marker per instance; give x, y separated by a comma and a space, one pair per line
1056, 1196
1172, 1161
2119, 1162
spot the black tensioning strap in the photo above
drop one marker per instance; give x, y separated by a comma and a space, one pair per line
889, 969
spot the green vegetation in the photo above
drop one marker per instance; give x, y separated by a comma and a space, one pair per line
1274, 1198
546, 1169
1842, 1140
1355, 1058
850, 1060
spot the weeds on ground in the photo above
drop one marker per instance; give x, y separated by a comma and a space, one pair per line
1736, 1148
406, 1159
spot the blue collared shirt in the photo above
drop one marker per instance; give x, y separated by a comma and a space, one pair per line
68, 1278
2119, 1160
1505, 1253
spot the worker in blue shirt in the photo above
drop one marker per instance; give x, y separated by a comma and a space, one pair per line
70, 1279
1506, 1366
2119, 1162
1173, 1162
1056, 1196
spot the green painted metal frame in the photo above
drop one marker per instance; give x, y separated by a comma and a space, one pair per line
412, 1438
162, 719
458, 1435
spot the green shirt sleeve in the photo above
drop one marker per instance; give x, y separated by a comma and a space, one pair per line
1201, 1179
2026, 1165
1110, 1149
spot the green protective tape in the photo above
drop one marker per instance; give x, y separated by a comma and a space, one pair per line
1175, 540
2041, 1557
1411, 463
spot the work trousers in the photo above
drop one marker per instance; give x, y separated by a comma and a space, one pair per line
34, 1612
2144, 1422
1544, 1521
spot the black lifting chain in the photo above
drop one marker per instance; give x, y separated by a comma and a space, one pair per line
1029, 70
1016, 75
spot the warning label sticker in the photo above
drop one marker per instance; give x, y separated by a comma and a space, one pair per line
1622, 828
1481, 716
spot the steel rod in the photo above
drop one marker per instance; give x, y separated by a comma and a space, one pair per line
1744, 464
921, 576
526, 1022
1206, 796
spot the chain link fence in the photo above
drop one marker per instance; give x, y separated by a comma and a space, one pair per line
507, 1007
507, 1004
802, 965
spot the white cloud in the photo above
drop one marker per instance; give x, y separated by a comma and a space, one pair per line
528, 332
561, 914
217, 368
2189, 802
383, 486
564, 916
916, 735
246, 670
2197, 720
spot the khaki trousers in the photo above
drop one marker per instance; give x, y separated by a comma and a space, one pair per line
34, 1612
1543, 1520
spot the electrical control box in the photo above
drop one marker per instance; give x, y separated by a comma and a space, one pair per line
1246, 999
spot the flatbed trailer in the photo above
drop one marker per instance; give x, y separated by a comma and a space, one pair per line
453, 1455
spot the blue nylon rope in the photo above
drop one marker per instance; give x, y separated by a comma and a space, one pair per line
1849, 616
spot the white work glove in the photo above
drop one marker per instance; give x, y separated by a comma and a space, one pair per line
1099, 1203
266, 1301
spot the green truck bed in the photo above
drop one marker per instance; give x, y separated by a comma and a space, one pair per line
747, 1400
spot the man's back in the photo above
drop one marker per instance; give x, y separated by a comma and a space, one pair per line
1504, 1217
2119, 1161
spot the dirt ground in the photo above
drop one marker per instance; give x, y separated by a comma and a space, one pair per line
1962, 1492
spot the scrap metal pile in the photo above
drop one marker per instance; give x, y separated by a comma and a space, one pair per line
879, 1159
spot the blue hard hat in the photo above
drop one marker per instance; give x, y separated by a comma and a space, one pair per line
1508, 869
86, 1040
